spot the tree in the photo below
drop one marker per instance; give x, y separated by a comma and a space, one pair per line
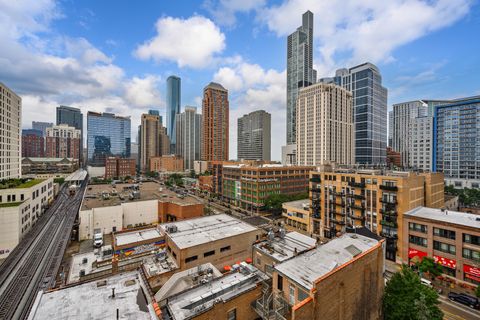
428, 265
273, 202
407, 298
477, 291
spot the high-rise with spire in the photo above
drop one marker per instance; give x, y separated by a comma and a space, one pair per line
300, 72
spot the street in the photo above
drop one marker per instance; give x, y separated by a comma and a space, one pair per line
456, 311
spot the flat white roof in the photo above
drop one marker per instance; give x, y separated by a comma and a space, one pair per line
282, 249
136, 236
453, 217
193, 232
78, 175
305, 268
93, 300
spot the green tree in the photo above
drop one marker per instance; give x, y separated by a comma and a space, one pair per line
407, 298
428, 265
273, 202
477, 291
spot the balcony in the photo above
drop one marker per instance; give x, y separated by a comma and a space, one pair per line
390, 213
356, 184
358, 218
315, 179
388, 188
316, 190
389, 201
389, 235
390, 224
316, 215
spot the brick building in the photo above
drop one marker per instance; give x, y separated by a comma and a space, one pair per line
377, 200
63, 141
167, 163
33, 143
393, 158
116, 168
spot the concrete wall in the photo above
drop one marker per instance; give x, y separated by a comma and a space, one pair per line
10, 225
140, 212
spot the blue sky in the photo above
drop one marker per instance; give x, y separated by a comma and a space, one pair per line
115, 55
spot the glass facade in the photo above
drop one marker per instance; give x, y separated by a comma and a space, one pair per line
457, 139
173, 106
74, 118
107, 135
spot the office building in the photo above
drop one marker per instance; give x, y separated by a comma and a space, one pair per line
403, 115
166, 163
189, 135
390, 128
370, 111
21, 204
215, 123
108, 135
289, 154
62, 141
420, 145
456, 136
300, 72
451, 238
74, 118
119, 168
154, 141
174, 93
254, 136
249, 185
10, 135
42, 126
325, 129
345, 198
342, 279
33, 143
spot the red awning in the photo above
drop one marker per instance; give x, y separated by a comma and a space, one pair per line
416, 253
449, 263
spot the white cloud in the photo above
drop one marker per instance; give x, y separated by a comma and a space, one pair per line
191, 42
224, 11
143, 92
357, 31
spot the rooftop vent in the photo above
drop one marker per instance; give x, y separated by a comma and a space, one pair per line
354, 251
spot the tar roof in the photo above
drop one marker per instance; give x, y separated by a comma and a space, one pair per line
93, 300
304, 269
287, 247
193, 232
124, 238
453, 217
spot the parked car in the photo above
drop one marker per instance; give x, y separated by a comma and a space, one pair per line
426, 282
465, 299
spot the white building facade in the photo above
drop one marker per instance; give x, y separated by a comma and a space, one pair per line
420, 138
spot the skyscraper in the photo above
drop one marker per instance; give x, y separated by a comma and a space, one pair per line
153, 138
74, 118
325, 131
63, 141
300, 72
42, 126
420, 139
173, 107
107, 135
215, 122
370, 111
10, 136
189, 135
456, 138
403, 114
254, 136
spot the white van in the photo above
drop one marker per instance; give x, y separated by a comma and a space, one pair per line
426, 282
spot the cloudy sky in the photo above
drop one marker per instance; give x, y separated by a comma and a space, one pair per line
115, 55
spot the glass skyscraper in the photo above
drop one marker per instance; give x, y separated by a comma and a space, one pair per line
107, 135
300, 72
456, 140
173, 107
74, 118
370, 111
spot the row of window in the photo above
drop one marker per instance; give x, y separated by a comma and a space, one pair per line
444, 233
207, 254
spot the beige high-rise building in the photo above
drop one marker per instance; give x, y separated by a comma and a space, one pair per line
10, 122
154, 141
325, 128
215, 123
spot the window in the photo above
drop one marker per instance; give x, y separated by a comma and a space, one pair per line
444, 233
444, 247
291, 295
471, 254
419, 241
468, 238
209, 253
279, 282
232, 314
190, 259
417, 227
225, 249
301, 295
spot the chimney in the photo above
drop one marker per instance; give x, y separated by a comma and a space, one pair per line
113, 293
118, 314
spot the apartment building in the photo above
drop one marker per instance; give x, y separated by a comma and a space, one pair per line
22, 202
325, 128
117, 168
10, 134
166, 163
342, 279
451, 238
248, 185
33, 143
420, 146
297, 216
254, 136
343, 198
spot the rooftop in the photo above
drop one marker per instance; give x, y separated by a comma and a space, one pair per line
197, 231
197, 300
304, 269
454, 217
298, 204
19, 183
123, 238
93, 300
121, 194
284, 247
159, 263
78, 175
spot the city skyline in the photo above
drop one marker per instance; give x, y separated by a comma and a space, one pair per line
113, 67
